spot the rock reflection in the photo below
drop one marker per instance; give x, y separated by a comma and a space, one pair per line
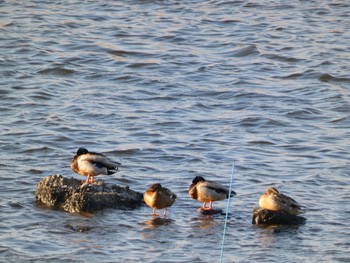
269, 233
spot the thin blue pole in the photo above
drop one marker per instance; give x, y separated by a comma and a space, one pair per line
227, 210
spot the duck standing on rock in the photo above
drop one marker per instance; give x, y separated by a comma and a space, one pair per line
273, 200
91, 164
208, 191
158, 197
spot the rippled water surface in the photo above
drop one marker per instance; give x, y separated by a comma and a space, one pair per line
175, 89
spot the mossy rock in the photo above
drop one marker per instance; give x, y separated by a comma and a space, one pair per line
59, 192
268, 217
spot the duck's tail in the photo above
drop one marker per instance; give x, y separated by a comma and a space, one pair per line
112, 170
233, 193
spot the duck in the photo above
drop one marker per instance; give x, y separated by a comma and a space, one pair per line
159, 197
91, 164
273, 200
208, 191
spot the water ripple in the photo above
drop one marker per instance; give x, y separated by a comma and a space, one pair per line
175, 90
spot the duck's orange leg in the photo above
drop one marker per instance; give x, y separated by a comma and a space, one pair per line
154, 212
87, 181
91, 179
204, 207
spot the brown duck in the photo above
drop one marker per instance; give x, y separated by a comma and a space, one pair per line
273, 200
158, 197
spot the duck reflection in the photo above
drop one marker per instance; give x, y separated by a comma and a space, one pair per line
204, 221
157, 222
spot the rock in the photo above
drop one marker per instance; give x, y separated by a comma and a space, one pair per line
64, 193
267, 217
210, 212
80, 229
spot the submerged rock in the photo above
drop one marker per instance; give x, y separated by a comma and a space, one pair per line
210, 212
64, 193
80, 229
268, 217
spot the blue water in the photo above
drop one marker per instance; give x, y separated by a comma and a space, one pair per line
173, 90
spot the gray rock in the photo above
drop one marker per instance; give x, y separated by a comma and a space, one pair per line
64, 193
267, 217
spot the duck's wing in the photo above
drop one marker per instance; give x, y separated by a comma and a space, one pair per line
218, 188
289, 204
168, 193
101, 160
289, 201
167, 197
213, 190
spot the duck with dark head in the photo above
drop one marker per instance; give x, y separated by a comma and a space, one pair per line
92, 164
208, 192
